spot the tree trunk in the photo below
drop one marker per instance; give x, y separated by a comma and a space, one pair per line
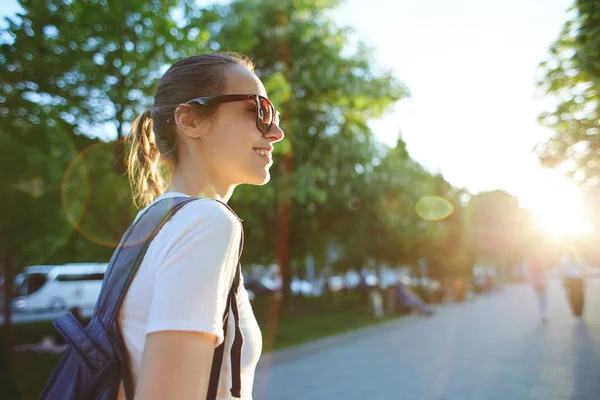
7, 383
284, 229
286, 165
283, 216
8, 277
283, 211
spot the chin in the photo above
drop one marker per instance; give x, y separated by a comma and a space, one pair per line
260, 179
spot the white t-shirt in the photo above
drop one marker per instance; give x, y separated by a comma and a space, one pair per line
183, 283
572, 268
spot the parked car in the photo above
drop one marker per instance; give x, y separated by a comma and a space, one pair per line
58, 287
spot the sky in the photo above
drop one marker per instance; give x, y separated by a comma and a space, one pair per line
471, 68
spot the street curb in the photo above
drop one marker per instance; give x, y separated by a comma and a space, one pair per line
291, 353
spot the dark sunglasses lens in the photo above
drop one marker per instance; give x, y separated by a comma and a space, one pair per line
265, 113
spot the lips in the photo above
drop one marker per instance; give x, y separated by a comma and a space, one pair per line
264, 151
265, 154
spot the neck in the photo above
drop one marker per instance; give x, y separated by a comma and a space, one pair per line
198, 182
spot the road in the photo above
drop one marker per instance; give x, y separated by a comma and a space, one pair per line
492, 348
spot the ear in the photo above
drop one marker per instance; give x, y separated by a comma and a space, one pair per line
188, 124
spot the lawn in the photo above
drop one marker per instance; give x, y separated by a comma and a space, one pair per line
307, 320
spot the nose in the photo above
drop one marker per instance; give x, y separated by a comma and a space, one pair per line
275, 134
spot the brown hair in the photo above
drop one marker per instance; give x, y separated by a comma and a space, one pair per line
153, 136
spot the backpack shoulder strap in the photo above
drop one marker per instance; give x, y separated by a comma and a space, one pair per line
128, 257
236, 348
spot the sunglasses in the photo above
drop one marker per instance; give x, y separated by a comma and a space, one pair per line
266, 114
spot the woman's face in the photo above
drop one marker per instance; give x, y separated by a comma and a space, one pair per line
229, 147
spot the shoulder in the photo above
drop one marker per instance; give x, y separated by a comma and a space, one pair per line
197, 225
204, 211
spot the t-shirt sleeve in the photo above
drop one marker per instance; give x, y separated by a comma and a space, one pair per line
193, 277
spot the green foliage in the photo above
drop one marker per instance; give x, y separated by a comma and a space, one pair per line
32, 224
100, 61
500, 231
572, 79
331, 93
74, 70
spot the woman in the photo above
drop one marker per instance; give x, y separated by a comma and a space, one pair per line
212, 125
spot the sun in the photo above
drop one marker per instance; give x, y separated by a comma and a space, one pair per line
562, 224
561, 214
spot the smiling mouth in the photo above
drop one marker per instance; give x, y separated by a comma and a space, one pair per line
266, 154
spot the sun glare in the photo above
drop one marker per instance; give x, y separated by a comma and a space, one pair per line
562, 214
563, 224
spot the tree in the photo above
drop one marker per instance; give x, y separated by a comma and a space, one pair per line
500, 231
74, 70
33, 224
393, 226
100, 66
101, 61
326, 98
572, 79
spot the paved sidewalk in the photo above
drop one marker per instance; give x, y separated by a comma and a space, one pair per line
492, 348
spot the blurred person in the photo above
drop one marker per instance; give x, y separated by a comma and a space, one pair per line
460, 290
537, 276
407, 300
212, 125
573, 273
363, 287
376, 299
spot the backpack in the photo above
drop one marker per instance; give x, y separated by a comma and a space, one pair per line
96, 360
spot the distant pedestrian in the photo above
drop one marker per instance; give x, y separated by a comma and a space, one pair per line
537, 276
376, 301
572, 269
363, 288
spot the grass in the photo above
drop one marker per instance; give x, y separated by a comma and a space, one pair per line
32, 332
306, 320
292, 332
310, 319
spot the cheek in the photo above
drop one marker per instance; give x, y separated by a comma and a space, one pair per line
232, 139
232, 143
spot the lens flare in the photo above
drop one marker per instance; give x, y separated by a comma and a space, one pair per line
97, 200
434, 208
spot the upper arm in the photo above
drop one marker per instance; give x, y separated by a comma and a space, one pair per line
176, 365
192, 281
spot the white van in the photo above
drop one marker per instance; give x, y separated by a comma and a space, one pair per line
58, 287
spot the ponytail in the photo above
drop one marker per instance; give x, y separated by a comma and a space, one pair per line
144, 162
